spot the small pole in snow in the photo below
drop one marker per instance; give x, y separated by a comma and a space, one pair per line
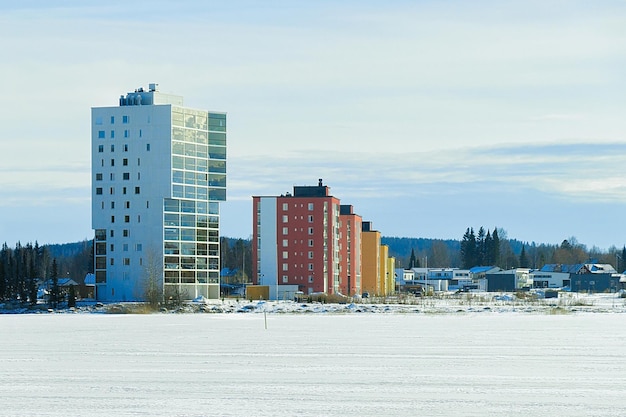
265, 316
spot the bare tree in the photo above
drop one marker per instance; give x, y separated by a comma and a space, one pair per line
152, 284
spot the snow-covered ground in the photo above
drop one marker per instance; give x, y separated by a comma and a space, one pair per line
506, 360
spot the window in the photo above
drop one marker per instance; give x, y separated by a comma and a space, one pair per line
310, 278
285, 218
125, 233
285, 267
125, 147
112, 190
285, 279
310, 206
100, 134
285, 255
125, 247
138, 247
112, 233
310, 254
112, 148
126, 261
138, 162
112, 134
126, 219
285, 243
124, 119
99, 177
111, 261
124, 190
100, 148
127, 205
112, 219
138, 176
310, 218
285, 230
311, 243
310, 267
137, 190
285, 206
99, 191
112, 247
140, 133
112, 162
147, 147
112, 119
126, 176
99, 120
310, 230
126, 133
112, 176
112, 204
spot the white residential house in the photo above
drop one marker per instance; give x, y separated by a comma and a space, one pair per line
158, 175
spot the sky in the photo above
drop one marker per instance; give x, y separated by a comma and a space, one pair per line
428, 117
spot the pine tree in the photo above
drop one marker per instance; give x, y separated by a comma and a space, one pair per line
480, 247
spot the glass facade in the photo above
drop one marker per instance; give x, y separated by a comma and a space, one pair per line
191, 216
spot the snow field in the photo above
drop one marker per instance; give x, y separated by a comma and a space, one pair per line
470, 364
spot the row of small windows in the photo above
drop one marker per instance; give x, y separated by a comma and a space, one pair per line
286, 254
126, 204
286, 230
99, 190
100, 120
125, 176
286, 280
286, 243
286, 218
124, 148
101, 148
101, 248
126, 134
101, 234
310, 206
127, 219
286, 267
124, 162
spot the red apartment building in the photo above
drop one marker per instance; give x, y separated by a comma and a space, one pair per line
306, 241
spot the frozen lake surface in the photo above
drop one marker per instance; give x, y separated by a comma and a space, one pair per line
484, 364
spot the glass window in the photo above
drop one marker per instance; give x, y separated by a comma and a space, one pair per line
126, 176
124, 119
112, 134
99, 177
147, 147
125, 232
112, 148
112, 119
125, 161
137, 190
100, 148
98, 120
100, 134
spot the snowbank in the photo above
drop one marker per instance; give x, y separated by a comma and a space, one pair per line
439, 304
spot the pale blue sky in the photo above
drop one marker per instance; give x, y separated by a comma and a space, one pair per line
427, 116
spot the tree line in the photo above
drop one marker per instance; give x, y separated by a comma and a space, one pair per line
24, 267
493, 248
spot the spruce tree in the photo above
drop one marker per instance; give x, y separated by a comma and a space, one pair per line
54, 289
523, 259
